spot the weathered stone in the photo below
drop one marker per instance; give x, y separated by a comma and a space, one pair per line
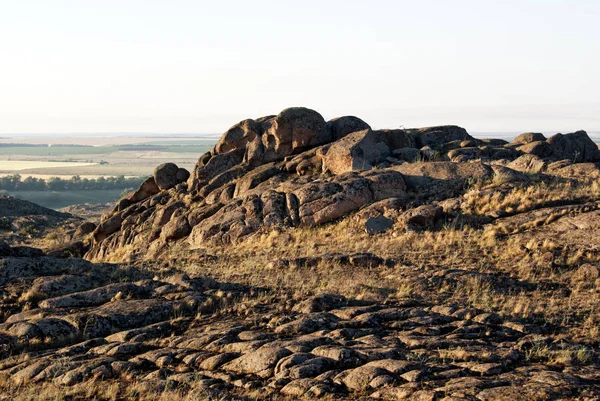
528, 163
577, 147
165, 176
424, 217
257, 362
528, 137
147, 189
436, 136
342, 126
377, 225
540, 148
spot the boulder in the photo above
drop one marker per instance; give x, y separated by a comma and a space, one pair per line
84, 230
75, 249
577, 147
528, 163
538, 148
146, 190
363, 150
465, 154
528, 137
165, 176
108, 227
238, 136
257, 362
182, 175
425, 217
434, 137
323, 202
178, 227
357, 151
294, 130
342, 126
378, 225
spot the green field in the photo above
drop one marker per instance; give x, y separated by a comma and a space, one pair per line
127, 157
58, 200
18, 165
198, 147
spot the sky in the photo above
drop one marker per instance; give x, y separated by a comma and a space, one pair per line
183, 66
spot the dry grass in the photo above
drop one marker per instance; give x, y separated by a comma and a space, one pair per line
521, 199
511, 275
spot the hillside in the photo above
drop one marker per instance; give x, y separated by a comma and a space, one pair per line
304, 258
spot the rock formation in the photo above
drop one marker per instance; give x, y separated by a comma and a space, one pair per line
296, 169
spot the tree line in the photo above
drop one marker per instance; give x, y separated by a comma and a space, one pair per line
16, 183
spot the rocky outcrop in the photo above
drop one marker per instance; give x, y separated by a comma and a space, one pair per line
79, 329
295, 169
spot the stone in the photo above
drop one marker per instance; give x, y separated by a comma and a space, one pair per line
378, 225
436, 136
342, 126
147, 189
359, 378
309, 323
215, 362
577, 147
539, 148
425, 217
528, 163
528, 137
177, 227
257, 362
84, 229
410, 155
165, 176
362, 150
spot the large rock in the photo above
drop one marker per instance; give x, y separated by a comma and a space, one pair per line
238, 136
425, 217
342, 126
363, 150
147, 189
577, 147
260, 362
377, 225
537, 148
437, 136
165, 176
294, 130
528, 163
528, 137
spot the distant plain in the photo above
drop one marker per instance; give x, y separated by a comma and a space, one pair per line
92, 157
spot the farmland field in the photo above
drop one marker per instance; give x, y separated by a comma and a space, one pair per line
92, 157
58, 200
19, 165
68, 151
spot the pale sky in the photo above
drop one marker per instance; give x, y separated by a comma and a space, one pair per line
200, 66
